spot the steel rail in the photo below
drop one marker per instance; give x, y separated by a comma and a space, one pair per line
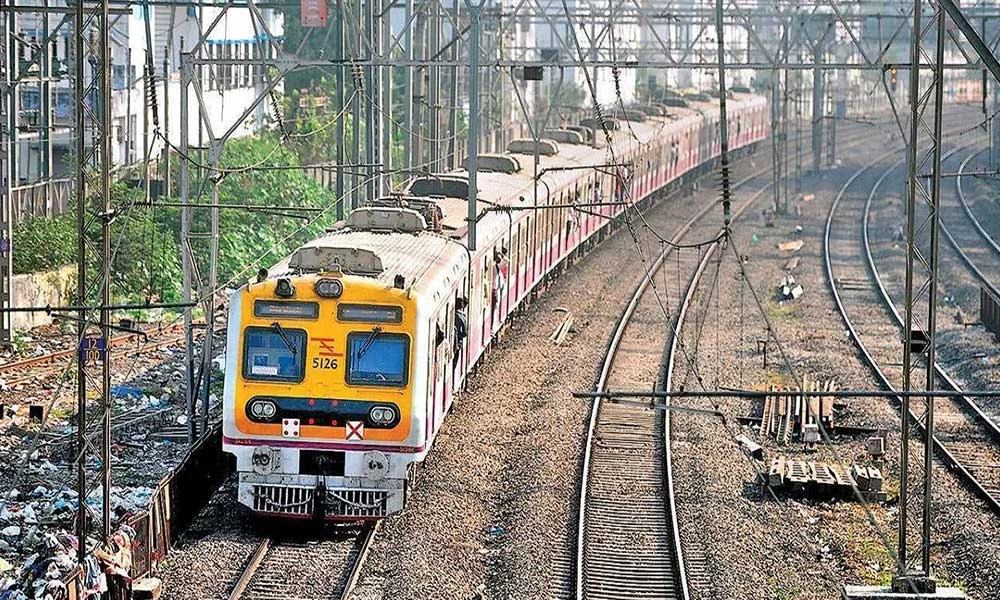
367, 538
601, 384
256, 559
976, 225
869, 359
887, 301
53, 356
352, 568
972, 217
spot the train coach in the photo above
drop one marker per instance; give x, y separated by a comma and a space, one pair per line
344, 359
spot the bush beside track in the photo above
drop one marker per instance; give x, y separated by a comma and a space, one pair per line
148, 260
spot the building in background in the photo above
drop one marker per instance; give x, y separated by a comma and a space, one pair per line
42, 138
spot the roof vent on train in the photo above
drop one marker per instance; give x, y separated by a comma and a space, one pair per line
497, 163
426, 207
652, 110
322, 259
440, 186
386, 218
586, 132
609, 123
675, 101
713, 93
564, 136
630, 114
527, 146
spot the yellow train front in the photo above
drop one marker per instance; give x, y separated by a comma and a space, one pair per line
319, 384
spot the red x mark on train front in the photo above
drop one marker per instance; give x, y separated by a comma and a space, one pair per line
355, 430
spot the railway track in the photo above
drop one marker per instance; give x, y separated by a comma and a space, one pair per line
283, 569
628, 539
38, 368
964, 232
966, 438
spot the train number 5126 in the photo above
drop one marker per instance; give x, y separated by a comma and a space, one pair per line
325, 363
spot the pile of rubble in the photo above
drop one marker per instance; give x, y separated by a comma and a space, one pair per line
789, 289
823, 480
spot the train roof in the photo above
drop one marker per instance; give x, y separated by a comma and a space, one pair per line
426, 259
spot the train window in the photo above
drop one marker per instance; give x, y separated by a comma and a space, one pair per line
376, 358
274, 353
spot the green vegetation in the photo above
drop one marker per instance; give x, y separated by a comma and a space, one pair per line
782, 312
145, 241
42, 244
147, 262
259, 238
875, 559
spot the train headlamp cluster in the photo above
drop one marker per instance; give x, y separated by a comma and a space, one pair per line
329, 288
263, 409
382, 415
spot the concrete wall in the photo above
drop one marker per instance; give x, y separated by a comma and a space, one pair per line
40, 289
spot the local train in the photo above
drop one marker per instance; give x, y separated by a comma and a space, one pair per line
344, 359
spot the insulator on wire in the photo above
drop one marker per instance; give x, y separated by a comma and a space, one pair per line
358, 75
151, 103
278, 116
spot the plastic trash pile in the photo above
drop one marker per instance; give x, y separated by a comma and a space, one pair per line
788, 289
40, 575
25, 518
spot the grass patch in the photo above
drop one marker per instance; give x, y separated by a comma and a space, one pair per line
784, 312
876, 563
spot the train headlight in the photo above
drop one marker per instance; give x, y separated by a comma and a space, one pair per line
284, 288
382, 415
262, 409
329, 288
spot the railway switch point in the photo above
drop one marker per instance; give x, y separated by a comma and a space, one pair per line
810, 435
876, 446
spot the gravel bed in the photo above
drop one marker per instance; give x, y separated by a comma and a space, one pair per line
758, 548
210, 556
983, 196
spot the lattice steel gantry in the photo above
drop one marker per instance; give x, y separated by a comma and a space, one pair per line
92, 64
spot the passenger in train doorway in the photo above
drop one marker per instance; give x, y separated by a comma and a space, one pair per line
500, 269
461, 329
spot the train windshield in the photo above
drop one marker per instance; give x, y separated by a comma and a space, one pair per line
376, 358
274, 353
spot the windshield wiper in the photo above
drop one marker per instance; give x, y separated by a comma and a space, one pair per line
370, 341
284, 338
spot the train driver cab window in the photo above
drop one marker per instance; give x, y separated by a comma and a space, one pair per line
377, 358
274, 353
